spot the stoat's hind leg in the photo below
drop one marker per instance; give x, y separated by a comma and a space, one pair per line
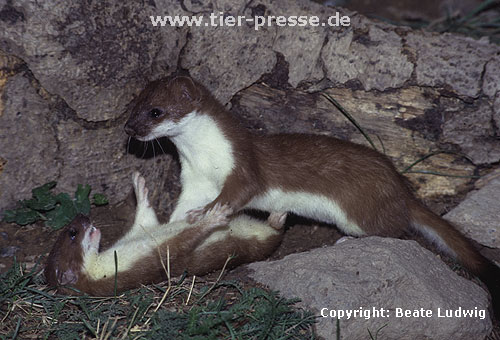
144, 215
277, 219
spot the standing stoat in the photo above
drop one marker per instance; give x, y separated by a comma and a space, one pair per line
319, 177
75, 259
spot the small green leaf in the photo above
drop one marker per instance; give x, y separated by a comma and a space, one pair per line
62, 214
43, 190
43, 203
57, 210
99, 199
21, 216
43, 199
82, 202
58, 218
9, 216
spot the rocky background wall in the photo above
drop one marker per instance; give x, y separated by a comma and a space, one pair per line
69, 69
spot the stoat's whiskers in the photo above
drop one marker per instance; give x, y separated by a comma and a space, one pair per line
159, 144
145, 149
153, 146
128, 145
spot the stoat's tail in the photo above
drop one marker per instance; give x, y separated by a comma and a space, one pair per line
452, 242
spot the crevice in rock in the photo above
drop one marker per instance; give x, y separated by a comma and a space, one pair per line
278, 77
429, 124
183, 50
63, 111
10, 14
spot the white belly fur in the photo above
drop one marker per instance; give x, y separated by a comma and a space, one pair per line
143, 242
207, 159
317, 207
244, 228
131, 249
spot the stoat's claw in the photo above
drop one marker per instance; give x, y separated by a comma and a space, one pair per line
135, 178
219, 215
216, 216
141, 191
195, 215
277, 220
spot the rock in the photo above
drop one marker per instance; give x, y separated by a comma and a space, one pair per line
211, 66
488, 178
371, 274
94, 55
9, 251
468, 129
491, 78
449, 60
301, 47
478, 215
375, 59
27, 142
496, 109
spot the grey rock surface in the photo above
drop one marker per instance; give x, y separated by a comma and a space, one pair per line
301, 47
478, 216
449, 60
491, 82
227, 73
376, 59
94, 55
472, 129
496, 108
374, 273
27, 141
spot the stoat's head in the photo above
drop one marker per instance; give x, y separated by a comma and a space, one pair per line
77, 240
159, 109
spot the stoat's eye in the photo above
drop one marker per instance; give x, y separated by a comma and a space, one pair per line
72, 233
155, 113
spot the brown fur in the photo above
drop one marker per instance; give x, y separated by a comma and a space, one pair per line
463, 249
66, 255
362, 181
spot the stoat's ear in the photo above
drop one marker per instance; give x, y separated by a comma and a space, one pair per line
186, 88
66, 277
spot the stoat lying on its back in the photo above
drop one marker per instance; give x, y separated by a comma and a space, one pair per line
75, 259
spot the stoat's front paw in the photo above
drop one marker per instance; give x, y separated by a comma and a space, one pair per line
215, 216
277, 219
218, 215
140, 189
195, 215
